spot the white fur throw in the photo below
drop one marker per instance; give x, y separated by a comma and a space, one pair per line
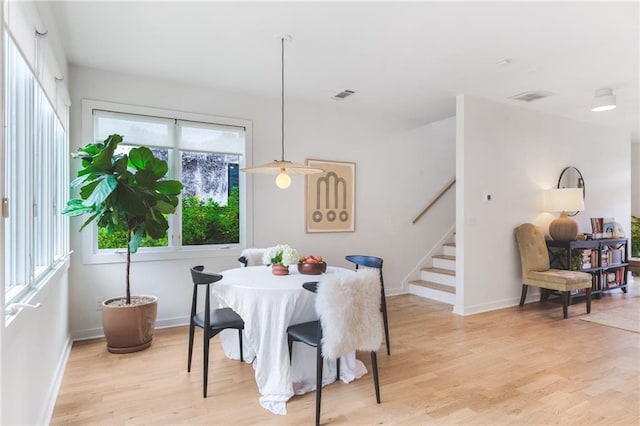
253, 256
349, 308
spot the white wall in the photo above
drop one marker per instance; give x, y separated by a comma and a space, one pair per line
515, 154
35, 347
398, 168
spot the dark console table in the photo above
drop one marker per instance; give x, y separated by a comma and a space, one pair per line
605, 259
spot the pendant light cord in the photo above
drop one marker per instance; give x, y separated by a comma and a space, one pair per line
282, 99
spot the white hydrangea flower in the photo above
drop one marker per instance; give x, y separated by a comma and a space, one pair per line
282, 254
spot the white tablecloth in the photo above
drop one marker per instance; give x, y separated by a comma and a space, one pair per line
268, 304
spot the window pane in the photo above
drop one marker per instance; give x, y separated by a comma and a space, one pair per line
19, 84
135, 129
60, 193
42, 172
210, 203
211, 137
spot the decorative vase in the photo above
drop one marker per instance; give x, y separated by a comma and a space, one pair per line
279, 269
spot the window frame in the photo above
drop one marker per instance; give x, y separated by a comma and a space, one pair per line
29, 178
90, 252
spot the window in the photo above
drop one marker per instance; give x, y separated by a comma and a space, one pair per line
204, 153
36, 174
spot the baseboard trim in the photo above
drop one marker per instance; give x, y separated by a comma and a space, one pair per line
54, 388
96, 333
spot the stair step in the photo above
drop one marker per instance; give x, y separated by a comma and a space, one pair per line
435, 286
449, 272
439, 275
444, 261
449, 249
415, 287
444, 257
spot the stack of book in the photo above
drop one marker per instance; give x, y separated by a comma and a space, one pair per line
587, 259
615, 278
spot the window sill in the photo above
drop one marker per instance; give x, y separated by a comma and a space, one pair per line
40, 292
155, 254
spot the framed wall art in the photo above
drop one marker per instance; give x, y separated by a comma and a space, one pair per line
330, 197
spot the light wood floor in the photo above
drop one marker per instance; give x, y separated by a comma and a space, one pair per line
513, 366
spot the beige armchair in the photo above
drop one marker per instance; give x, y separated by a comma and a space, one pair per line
536, 271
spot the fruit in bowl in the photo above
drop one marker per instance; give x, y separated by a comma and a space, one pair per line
311, 265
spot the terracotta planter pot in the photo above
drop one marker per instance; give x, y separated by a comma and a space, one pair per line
278, 269
129, 328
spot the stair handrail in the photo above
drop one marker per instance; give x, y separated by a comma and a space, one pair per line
435, 199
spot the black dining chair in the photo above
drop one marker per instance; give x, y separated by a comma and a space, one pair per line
344, 324
212, 321
376, 263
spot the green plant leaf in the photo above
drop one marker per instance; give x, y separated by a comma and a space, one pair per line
130, 200
146, 179
76, 207
158, 167
88, 221
103, 158
165, 208
139, 157
157, 227
81, 179
169, 187
120, 165
104, 187
136, 238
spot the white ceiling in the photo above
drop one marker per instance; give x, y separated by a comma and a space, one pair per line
406, 59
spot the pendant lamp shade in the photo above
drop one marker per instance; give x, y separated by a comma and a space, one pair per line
282, 168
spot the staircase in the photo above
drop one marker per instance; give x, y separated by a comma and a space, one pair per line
438, 282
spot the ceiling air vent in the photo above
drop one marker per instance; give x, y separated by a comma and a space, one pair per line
343, 95
531, 96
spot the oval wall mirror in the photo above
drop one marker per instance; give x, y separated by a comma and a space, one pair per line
572, 178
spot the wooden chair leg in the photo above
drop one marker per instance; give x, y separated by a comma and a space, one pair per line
240, 339
565, 304
589, 300
524, 294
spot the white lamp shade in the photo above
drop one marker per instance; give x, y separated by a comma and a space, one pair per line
564, 200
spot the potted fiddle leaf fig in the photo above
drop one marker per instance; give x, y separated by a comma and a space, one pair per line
125, 193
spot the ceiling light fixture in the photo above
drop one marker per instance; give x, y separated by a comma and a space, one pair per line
604, 100
281, 167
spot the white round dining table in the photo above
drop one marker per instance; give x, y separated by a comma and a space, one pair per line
269, 304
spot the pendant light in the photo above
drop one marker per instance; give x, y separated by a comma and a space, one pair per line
282, 168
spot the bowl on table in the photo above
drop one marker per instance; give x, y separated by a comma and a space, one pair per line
316, 268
